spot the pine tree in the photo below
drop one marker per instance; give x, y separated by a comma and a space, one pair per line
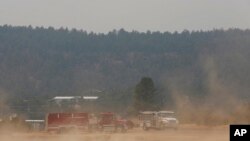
145, 95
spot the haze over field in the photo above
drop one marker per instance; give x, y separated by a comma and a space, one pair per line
189, 56
188, 68
196, 52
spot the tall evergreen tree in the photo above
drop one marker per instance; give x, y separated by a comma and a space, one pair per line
145, 95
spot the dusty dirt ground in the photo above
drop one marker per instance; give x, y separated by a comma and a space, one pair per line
184, 133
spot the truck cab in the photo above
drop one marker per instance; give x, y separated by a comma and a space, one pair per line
168, 119
109, 122
158, 120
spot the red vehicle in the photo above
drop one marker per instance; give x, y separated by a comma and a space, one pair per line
108, 121
61, 122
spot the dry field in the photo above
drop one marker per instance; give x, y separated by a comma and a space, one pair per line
185, 133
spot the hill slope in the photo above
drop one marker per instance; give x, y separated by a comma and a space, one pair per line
39, 61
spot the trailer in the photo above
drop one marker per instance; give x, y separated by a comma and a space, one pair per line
66, 122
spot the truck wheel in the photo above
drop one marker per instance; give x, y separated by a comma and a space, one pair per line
60, 131
123, 130
145, 128
162, 127
90, 128
120, 129
101, 128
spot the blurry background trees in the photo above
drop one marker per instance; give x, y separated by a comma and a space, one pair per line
187, 67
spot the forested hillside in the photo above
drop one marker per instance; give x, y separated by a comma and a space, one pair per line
46, 62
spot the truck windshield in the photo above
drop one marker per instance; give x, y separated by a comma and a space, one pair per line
146, 116
169, 115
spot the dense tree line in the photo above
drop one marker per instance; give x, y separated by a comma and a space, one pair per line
44, 62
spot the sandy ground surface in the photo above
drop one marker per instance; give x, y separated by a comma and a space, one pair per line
184, 133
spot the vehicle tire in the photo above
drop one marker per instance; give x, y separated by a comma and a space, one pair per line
144, 127
101, 128
90, 128
130, 124
117, 129
60, 131
162, 127
124, 129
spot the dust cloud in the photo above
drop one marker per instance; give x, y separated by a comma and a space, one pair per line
221, 105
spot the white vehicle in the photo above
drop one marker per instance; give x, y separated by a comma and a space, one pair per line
168, 119
158, 120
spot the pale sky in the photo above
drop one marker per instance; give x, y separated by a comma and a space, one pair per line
140, 15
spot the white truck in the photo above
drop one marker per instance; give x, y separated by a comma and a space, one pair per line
168, 119
158, 120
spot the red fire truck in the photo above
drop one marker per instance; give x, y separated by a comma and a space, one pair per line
64, 122
109, 122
